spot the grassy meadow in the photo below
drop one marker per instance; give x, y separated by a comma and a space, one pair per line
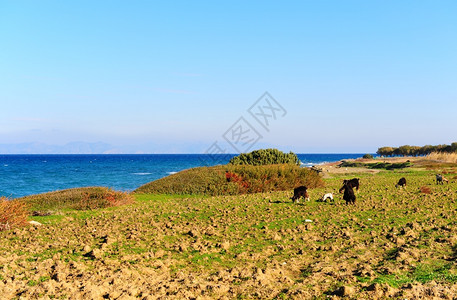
393, 243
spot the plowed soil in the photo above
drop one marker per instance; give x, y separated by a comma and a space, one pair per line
393, 243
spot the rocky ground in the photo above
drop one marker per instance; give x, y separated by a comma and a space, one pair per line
393, 243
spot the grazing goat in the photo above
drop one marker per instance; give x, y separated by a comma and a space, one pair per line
440, 179
327, 196
301, 191
401, 182
353, 183
349, 195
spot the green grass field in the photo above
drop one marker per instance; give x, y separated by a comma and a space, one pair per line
393, 243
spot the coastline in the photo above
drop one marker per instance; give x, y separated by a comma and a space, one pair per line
36, 174
335, 167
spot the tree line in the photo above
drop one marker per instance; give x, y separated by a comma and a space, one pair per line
407, 150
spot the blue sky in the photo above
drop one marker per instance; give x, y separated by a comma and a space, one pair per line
174, 76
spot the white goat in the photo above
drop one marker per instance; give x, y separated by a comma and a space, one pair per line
327, 196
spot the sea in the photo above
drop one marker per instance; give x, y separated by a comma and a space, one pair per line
24, 175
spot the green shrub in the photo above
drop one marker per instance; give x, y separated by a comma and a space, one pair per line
233, 180
77, 198
368, 156
265, 157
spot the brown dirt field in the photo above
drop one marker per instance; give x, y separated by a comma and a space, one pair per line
393, 243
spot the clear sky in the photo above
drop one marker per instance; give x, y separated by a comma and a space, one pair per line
174, 76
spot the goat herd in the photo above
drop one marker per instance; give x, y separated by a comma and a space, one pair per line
348, 189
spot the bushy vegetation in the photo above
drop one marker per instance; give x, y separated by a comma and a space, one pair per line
77, 198
407, 150
368, 156
233, 180
378, 165
13, 214
265, 157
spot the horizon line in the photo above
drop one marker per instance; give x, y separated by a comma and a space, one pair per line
173, 153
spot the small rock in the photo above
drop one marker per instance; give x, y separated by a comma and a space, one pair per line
95, 253
193, 233
399, 241
182, 247
345, 291
225, 245
59, 277
35, 223
374, 287
159, 253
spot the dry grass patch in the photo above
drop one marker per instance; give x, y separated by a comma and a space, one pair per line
77, 198
425, 190
13, 214
443, 157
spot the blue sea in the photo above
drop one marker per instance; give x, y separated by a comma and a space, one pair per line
23, 175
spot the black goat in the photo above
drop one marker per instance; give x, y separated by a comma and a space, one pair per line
401, 182
349, 195
353, 183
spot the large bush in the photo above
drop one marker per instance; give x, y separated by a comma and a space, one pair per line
233, 180
265, 157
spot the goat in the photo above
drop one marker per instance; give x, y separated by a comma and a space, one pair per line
349, 195
440, 179
327, 196
401, 182
299, 192
353, 183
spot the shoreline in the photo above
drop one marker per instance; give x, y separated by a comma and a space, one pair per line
334, 167
26, 175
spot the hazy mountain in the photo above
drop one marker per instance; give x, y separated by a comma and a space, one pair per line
70, 148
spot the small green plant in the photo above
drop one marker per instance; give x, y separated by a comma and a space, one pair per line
368, 156
424, 273
32, 283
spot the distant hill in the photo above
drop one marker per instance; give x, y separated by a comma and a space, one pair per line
70, 148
